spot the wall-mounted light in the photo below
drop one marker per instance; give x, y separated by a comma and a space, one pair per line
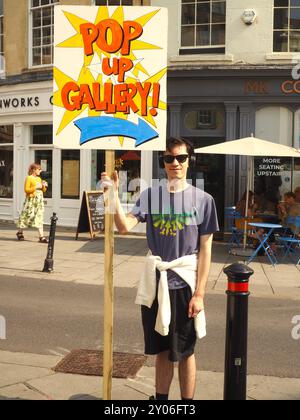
249, 16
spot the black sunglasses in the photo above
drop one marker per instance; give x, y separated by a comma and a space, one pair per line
180, 158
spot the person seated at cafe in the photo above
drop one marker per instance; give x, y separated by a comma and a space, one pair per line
252, 206
294, 211
264, 211
289, 208
285, 206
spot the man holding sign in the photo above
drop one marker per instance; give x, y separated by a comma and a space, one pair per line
181, 220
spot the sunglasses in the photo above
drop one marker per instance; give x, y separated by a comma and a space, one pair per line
180, 158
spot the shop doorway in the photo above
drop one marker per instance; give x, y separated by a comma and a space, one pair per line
211, 169
128, 164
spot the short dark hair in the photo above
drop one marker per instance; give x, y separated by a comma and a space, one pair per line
178, 141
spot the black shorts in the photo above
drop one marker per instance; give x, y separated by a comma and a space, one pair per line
181, 339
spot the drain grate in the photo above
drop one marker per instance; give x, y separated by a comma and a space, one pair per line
90, 363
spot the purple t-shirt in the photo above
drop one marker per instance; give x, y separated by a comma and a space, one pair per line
175, 222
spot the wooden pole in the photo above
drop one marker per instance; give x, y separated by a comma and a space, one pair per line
108, 286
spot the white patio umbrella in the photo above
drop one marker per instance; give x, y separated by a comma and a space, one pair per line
251, 147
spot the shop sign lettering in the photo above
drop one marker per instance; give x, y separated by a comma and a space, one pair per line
270, 167
25, 103
257, 87
291, 87
19, 102
2, 164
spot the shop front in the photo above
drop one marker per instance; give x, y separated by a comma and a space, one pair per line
207, 107
26, 136
216, 105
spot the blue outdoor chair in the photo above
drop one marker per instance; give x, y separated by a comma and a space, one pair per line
236, 238
291, 242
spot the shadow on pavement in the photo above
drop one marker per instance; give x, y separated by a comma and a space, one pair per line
84, 397
123, 246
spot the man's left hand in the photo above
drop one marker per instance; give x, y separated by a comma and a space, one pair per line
196, 305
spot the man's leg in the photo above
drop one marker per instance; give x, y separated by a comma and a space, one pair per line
187, 377
164, 373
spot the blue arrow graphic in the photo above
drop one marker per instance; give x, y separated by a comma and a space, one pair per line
96, 127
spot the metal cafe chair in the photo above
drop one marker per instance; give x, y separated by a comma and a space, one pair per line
291, 243
236, 238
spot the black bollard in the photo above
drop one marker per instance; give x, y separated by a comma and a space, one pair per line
235, 379
48, 266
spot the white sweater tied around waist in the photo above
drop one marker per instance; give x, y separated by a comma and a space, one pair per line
186, 267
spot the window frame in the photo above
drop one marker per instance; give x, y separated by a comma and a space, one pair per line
288, 29
11, 146
30, 35
202, 49
107, 3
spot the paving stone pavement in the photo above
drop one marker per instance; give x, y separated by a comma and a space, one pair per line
30, 377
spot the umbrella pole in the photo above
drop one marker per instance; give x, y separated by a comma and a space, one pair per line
247, 199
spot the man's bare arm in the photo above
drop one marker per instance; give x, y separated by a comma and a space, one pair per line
124, 222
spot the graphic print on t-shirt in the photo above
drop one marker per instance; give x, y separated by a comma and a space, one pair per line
170, 224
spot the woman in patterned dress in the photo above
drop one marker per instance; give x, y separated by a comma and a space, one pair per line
32, 214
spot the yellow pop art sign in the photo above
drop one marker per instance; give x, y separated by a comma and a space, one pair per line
110, 70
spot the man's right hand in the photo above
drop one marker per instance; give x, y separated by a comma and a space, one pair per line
108, 181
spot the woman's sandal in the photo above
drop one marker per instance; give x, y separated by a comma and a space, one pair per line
20, 236
43, 240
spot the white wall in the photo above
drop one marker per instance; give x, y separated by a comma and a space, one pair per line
244, 44
174, 38
249, 43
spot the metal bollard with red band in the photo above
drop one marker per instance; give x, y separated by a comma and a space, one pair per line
235, 380
48, 265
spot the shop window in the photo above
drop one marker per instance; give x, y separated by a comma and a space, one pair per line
70, 174
2, 69
6, 162
273, 179
203, 26
45, 159
296, 174
6, 134
6, 171
276, 176
128, 164
275, 124
42, 23
42, 134
204, 119
113, 2
286, 26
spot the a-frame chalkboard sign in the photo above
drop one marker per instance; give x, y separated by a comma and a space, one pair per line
91, 217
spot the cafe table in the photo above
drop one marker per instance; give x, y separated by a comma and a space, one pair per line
264, 241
